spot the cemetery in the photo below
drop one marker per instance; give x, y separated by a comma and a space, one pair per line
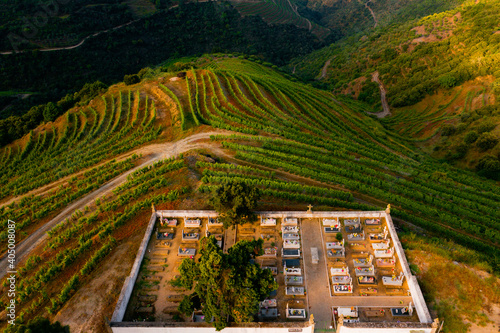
360, 255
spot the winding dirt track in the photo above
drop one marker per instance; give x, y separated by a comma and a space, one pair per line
383, 98
154, 152
49, 49
297, 13
373, 14
324, 69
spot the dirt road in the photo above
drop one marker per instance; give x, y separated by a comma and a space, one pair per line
371, 11
309, 25
155, 153
383, 98
73, 46
324, 69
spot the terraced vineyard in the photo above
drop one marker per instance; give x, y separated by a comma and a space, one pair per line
436, 111
76, 246
298, 144
324, 140
110, 126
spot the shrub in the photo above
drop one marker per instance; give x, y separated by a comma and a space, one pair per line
461, 127
447, 81
180, 66
51, 112
461, 150
131, 79
448, 129
487, 141
145, 72
489, 166
487, 126
471, 137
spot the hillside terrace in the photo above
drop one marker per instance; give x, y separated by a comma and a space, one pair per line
366, 272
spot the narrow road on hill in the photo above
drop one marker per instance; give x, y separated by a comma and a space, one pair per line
297, 13
155, 152
383, 98
324, 69
73, 46
371, 11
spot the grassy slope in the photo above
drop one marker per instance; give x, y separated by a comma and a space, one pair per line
347, 160
450, 276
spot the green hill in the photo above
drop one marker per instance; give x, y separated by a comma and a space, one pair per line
440, 72
168, 34
110, 160
280, 12
345, 18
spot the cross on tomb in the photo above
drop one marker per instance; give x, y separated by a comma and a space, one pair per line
310, 208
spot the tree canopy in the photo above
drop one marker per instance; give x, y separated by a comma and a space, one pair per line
228, 286
234, 201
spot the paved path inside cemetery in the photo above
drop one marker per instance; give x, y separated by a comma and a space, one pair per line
317, 285
317, 282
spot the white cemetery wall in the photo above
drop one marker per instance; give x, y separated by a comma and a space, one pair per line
345, 329
128, 286
416, 293
309, 329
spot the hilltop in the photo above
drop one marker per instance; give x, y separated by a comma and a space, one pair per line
90, 177
29, 80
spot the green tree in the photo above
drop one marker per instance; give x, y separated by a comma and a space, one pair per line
448, 129
227, 285
489, 166
51, 112
234, 201
447, 81
486, 126
189, 304
471, 137
131, 79
486, 141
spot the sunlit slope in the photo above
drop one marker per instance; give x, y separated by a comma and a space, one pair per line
416, 57
441, 73
334, 142
314, 135
110, 125
299, 145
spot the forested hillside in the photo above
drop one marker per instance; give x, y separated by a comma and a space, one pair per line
452, 58
346, 17
108, 57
